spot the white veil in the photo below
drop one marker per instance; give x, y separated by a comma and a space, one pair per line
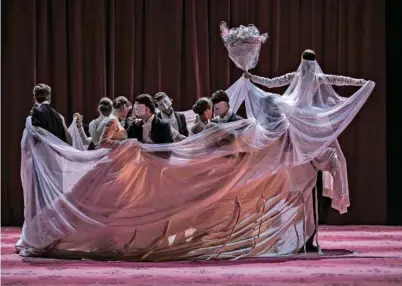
234, 190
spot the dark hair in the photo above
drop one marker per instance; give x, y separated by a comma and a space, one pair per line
218, 96
147, 100
41, 92
105, 106
159, 95
308, 55
201, 105
120, 101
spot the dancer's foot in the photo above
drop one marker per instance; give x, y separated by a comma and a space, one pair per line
309, 248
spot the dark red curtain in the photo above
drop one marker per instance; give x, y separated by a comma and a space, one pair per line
87, 49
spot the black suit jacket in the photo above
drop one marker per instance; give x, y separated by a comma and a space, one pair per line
235, 117
181, 122
160, 131
46, 117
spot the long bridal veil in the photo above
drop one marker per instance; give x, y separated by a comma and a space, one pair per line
241, 189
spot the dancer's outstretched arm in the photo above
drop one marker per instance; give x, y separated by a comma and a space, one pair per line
272, 82
340, 80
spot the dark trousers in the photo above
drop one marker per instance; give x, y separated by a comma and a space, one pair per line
323, 204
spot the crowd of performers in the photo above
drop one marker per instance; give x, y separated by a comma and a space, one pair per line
151, 119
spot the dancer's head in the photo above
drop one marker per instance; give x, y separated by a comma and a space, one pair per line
203, 107
121, 106
308, 55
308, 64
220, 100
105, 106
144, 106
41, 93
163, 102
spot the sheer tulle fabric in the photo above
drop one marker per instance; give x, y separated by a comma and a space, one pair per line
76, 137
235, 190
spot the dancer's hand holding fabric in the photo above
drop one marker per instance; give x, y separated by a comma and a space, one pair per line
79, 119
69, 140
247, 75
83, 136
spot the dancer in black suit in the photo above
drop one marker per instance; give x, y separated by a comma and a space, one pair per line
44, 116
176, 120
222, 111
149, 128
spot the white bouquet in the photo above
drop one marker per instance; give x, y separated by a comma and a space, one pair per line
243, 44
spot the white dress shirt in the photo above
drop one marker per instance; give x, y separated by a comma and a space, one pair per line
146, 130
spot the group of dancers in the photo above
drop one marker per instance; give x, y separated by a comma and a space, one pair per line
153, 120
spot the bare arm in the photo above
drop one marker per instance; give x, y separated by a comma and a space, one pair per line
86, 140
340, 80
274, 82
69, 140
79, 118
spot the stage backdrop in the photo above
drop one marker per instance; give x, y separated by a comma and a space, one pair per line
87, 49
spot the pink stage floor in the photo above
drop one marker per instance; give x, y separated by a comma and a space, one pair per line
352, 256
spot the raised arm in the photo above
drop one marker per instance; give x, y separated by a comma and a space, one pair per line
69, 140
340, 80
109, 130
274, 82
85, 140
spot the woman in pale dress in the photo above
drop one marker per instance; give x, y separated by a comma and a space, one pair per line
113, 131
203, 109
95, 128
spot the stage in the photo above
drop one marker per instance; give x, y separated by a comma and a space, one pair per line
369, 255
